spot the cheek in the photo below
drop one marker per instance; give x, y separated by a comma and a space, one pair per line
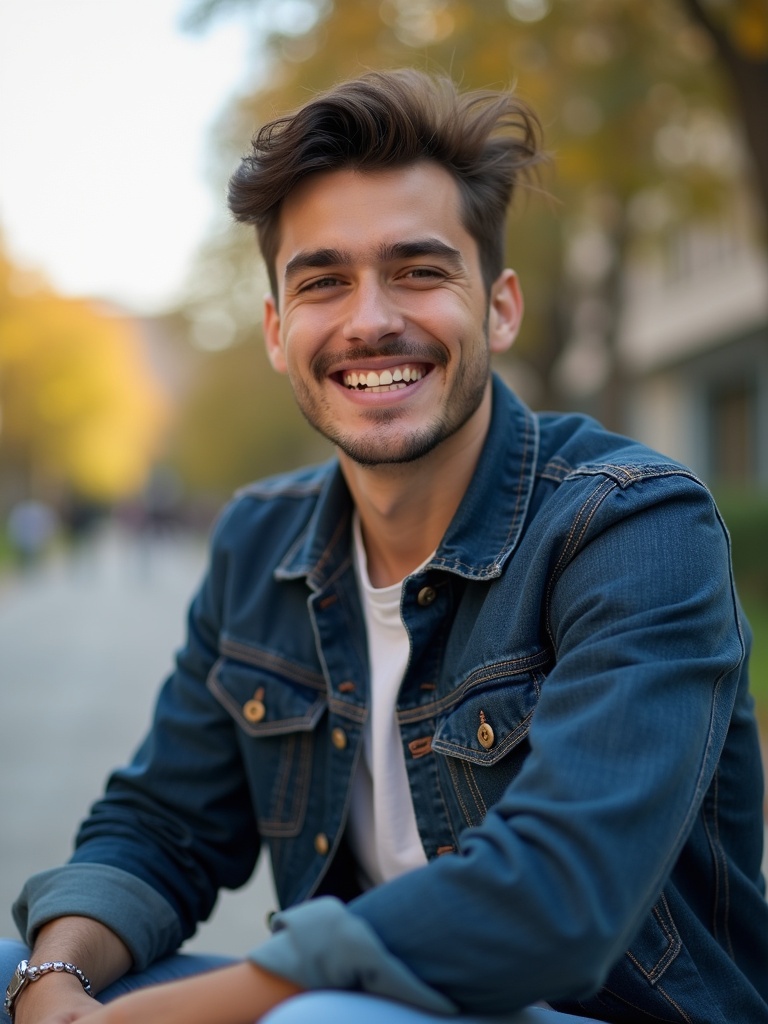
303, 337
462, 336
451, 316
296, 353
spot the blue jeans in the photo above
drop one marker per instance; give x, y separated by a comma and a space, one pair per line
312, 1008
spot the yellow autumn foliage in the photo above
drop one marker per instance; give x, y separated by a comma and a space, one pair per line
80, 409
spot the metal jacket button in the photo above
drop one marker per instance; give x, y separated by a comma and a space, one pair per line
486, 736
338, 738
485, 733
426, 596
254, 709
321, 843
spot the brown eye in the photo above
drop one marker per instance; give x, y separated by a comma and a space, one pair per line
319, 283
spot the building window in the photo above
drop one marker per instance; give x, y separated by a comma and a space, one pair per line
733, 424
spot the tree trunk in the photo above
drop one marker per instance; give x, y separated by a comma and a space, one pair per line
748, 77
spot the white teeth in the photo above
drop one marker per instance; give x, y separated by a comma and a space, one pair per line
387, 380
389, 387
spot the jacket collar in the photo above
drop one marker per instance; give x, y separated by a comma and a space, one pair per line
489, 520
487, 524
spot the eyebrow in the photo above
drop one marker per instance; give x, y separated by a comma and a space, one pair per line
316, 259
422, 247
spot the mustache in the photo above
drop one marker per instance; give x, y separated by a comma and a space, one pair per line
401, 348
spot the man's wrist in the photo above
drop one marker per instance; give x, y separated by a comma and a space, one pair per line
58, 995
26, 975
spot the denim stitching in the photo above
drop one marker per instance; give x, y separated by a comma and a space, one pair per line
311, 572
266, 659
474, 788
684, 827
644, 1010
676, 1005
626, 475
590, 506
524, 471
275, 826
446, 812
580, 524
556, 469
500, 670
526, 461
671, 952
316, 571
457, 790
276, 727
357, 713
485, 757
694, 803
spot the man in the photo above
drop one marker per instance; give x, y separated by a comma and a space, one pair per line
478, 684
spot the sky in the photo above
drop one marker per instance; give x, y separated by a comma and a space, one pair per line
106, 110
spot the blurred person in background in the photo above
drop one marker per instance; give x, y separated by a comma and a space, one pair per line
479, 684
32, 525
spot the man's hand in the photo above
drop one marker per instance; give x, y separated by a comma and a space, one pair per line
57, 997
236, 994
54, 999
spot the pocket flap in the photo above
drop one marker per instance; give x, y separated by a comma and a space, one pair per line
262, 702
506, 709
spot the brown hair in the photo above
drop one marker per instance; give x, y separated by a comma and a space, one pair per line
389, 118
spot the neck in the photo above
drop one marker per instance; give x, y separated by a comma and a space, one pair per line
405, 508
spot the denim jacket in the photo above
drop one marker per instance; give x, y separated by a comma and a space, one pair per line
577, 730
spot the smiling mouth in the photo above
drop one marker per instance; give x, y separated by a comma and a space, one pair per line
392, 379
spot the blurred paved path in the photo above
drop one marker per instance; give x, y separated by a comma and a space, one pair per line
84, 645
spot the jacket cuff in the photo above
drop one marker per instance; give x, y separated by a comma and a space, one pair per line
135, 911
322, 945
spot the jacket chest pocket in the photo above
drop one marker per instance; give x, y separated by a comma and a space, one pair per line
276, 717
484, 741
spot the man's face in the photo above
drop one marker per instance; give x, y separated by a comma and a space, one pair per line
385, 326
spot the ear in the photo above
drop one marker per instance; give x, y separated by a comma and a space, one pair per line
506, 311
272, 339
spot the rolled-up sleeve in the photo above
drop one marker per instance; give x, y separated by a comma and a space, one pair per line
133, 910
321, 945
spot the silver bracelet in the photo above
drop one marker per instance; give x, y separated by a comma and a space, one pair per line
25, 973
35, 973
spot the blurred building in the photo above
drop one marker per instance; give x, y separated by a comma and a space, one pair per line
693, 345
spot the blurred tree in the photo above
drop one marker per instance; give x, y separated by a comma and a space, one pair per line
633, 107
739, 31
239, 422
81, 412
548, 45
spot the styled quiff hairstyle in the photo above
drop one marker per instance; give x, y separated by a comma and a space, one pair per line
386, 119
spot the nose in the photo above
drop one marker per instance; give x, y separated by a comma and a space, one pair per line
372, 313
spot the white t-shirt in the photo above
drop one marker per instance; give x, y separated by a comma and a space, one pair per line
382, 823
